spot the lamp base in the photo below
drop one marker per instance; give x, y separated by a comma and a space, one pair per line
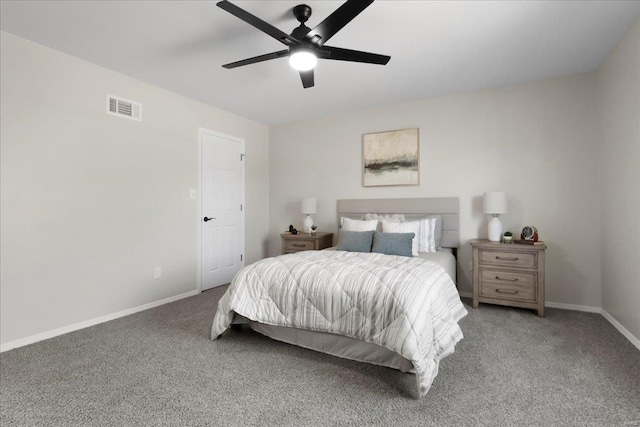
308, 222
495, 229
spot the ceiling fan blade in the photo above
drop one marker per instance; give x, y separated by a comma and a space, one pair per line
263, 26
265, 57
307, 78
338, 19
340, 54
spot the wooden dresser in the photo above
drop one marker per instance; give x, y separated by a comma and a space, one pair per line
305, 242
508, 274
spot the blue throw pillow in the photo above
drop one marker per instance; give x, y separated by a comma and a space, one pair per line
393, 243
355, 241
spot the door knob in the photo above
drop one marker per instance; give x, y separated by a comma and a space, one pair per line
208, 219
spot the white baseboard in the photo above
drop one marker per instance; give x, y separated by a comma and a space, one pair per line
81, 325
92, 322
628, 335
588, 309
574, 307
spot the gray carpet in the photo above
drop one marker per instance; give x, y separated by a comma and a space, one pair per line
158, 367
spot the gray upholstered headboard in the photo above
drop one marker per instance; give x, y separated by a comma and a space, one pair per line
448, 207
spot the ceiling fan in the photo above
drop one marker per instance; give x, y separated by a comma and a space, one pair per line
306, 45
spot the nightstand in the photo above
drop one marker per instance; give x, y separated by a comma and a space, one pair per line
305, 242
508, 274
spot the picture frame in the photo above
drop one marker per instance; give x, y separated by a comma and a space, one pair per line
391, 158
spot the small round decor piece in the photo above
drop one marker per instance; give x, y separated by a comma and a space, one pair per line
529, 233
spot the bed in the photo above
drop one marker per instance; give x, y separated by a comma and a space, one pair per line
392, 311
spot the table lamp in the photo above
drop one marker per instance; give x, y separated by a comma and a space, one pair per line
494, 203
308, 208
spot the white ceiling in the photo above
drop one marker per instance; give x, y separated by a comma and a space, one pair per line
436, 48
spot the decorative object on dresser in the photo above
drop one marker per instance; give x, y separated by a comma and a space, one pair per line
529, 236
494, 203
391, 158
308, 208
508, 274
507, 237
305, 242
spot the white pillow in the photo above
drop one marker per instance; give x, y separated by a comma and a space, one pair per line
438, 235
404, 227
384, 217
349, 224
427, 236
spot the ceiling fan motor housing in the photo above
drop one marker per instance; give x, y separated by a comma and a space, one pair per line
302, 12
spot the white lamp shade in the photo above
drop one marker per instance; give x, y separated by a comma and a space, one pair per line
308, 206
494, 203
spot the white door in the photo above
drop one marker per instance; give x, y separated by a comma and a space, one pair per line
222, 207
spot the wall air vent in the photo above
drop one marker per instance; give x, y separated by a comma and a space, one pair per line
124, 108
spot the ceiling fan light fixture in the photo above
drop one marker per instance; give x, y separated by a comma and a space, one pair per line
306, 45
303, 60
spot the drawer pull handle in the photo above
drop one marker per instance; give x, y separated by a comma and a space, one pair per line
500, 291
515, 258
507, 280
298, 245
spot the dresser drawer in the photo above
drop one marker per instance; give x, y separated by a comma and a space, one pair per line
299, 245
511, 285
305, 242
505, 258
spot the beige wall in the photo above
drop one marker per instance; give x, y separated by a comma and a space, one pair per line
619, 96
536, 141
92, 202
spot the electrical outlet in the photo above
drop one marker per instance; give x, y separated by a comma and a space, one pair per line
192, 193
157, 272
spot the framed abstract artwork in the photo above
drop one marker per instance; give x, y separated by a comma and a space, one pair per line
391, 158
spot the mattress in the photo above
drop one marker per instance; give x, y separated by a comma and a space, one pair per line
443, 256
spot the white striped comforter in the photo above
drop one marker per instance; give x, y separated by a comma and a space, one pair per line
408, 305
